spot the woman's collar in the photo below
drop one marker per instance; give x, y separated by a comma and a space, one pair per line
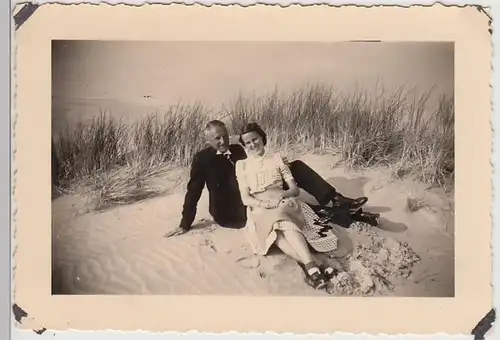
257, 157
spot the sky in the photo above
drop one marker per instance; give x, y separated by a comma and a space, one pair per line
130, 79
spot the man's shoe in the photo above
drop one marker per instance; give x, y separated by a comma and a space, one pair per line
340, 201
372, 219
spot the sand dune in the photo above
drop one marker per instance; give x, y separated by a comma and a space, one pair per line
123, 251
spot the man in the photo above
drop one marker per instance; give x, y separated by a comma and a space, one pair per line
214, 167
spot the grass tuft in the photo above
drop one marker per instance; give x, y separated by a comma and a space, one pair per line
415, 204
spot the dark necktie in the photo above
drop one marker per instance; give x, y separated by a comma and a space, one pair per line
228, 156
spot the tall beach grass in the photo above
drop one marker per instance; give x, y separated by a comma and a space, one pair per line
116, 161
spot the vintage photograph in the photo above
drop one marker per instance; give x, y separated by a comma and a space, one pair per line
253, 168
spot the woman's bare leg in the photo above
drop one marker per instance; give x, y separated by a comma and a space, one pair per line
298, 243
285, 247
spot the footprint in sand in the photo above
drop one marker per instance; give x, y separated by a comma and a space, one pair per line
208, 243
248, 262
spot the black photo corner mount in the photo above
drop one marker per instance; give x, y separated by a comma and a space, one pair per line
19, 313
24, 14
484, 325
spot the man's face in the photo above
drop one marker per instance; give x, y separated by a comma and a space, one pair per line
218, 138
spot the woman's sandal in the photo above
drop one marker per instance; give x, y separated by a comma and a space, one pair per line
329, 272
313, 275
316, 280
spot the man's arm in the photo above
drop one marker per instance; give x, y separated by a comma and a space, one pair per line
194, 189
239, 151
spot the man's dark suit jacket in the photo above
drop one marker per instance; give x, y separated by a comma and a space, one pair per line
218, 174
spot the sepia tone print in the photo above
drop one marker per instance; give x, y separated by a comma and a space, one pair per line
357, 136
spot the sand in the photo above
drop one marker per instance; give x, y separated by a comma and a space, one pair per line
122, 250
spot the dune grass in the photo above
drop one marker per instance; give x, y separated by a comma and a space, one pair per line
414, 204
115, 161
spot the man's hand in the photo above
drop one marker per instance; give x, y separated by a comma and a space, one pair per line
286, 160
176, 232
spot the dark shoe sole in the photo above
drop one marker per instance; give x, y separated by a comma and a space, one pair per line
350, 204
316, 283
330, 276
372, 219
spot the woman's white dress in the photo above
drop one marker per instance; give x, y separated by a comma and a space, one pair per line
263, 175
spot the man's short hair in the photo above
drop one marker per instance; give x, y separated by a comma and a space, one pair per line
214, 124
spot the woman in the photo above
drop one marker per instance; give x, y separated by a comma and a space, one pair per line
276, 215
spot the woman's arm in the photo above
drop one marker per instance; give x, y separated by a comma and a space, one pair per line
286, 174
251, 201
293, 189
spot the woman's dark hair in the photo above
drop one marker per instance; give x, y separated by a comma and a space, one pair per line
253, 127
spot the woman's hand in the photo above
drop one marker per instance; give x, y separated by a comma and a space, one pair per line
265, 205
275, 202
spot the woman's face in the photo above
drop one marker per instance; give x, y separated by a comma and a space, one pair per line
253, 143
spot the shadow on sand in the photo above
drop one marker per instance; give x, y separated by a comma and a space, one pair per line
354, 187
203, 224
350, 187
393, 227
